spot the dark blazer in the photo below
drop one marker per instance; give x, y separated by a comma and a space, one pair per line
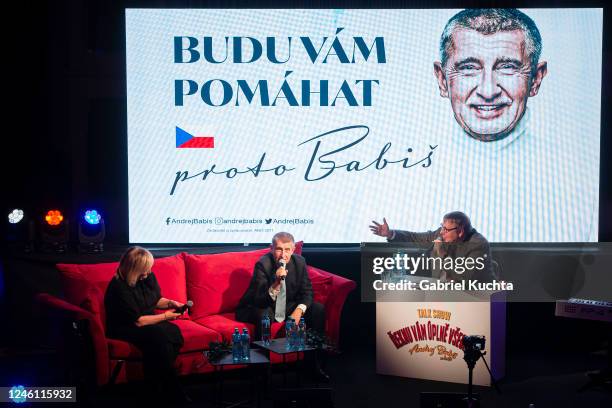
474, 245
297, 282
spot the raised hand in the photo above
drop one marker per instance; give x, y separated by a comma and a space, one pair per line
381, 230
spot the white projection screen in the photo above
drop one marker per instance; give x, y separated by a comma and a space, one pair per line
243, 123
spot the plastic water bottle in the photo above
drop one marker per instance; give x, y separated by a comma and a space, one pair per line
246, 345
295, 338
236, 346
302, 333
265, 330
289, 323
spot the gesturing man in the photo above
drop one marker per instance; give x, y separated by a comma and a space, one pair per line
455, 238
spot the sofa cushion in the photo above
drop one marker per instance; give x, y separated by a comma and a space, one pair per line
77, 279
170, 274
120, 350
216, 282
225, 323
197, 338
321, 284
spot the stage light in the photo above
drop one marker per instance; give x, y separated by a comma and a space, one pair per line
15, 216
92, 217
54, 217
54, 232
19, 231
91, 232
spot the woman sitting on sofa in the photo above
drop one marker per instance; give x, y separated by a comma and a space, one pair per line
131, 299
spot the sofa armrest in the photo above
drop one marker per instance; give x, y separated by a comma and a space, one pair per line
338, 292
73, 312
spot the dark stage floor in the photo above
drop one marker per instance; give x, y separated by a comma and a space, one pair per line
540, 377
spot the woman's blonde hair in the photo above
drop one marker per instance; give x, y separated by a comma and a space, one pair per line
134, 262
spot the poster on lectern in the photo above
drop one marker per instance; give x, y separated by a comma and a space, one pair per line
425, 340
243, 123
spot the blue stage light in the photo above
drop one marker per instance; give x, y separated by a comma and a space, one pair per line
92, 217
91, 232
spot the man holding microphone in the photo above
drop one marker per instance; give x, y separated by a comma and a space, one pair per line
280, 287
455, 238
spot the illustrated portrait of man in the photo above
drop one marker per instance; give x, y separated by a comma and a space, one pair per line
489, 66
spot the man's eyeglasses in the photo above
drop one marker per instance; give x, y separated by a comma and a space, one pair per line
444, 229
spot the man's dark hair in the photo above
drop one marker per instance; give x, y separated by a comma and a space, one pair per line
463, 221
282, 237
491, 21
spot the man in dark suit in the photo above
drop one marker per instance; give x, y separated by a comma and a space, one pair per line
281, 288
455, 238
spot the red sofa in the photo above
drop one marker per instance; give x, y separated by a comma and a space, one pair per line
214, 282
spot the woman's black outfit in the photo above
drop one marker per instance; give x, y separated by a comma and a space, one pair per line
159, 343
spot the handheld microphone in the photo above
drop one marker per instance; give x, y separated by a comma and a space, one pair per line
283, 263
183, 308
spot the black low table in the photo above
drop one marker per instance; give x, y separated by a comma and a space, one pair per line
258, 359
279, 346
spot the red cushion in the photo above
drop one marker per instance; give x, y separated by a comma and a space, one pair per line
216, 282
224, 324
277, 330
91, 272
321, 284
170, 273
119, 350
78, 278
197, 337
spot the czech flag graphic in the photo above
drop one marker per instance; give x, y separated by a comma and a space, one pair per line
185, 140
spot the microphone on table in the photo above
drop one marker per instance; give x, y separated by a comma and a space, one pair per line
283, 263
183, 308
